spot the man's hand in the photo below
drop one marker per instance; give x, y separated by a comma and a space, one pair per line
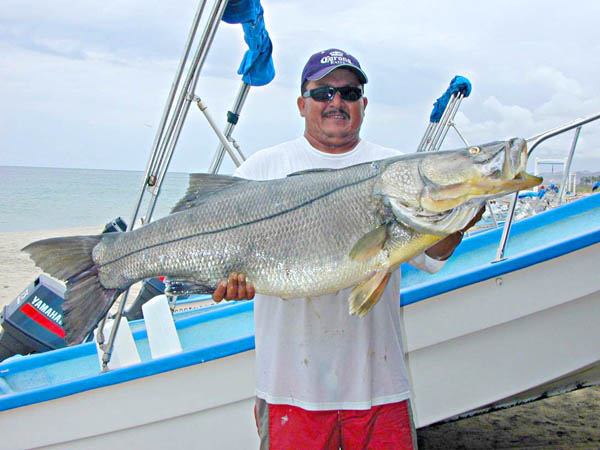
444, 249
236, 288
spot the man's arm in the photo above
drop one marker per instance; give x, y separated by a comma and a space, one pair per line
444, 249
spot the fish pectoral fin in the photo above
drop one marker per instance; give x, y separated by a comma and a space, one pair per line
365, 295
179, 288
370, 244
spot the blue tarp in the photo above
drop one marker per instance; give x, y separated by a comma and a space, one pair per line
596, 186
257, 65
458, 84
527, 194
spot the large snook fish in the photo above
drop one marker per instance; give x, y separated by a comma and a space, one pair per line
311, 233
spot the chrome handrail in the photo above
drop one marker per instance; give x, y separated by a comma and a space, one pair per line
537, 140
567, 168
231, 123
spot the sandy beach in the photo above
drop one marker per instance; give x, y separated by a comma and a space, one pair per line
570, 421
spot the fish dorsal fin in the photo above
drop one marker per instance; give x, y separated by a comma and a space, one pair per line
304, 172
201, 186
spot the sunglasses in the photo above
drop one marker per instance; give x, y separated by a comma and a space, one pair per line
326, 93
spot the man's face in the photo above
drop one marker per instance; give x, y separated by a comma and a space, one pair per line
333, 126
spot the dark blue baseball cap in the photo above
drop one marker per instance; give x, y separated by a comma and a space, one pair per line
322, 63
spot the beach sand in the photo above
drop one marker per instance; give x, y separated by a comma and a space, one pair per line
569, 421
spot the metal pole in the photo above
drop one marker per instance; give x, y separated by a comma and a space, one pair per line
455, 107
187, 96
567, 167
506, 230
234, 155
423, 142
432, 130
178, 75
443, 123
435, 132
538, 139
237, 108
459, 134
159, 133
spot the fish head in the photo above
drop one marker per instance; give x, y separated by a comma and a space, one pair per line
440, 192
479, 172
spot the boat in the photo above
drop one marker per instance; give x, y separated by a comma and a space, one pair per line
480, 335
496, 327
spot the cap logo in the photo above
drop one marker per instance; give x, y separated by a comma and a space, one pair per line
335, 60
322, 63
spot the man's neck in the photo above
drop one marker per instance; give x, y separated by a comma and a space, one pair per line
332, 147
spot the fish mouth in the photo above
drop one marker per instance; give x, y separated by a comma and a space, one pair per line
515, 159
513, 175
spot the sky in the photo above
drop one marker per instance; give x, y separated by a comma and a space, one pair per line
83, 84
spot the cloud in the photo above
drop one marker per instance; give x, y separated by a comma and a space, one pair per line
84, 84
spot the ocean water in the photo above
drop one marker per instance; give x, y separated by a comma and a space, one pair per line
38, 198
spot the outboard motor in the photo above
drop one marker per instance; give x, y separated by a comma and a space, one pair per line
32, 322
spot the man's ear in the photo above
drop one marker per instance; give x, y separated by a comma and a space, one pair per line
365, 101
301, 103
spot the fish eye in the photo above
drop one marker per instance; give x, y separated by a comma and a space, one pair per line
474, 150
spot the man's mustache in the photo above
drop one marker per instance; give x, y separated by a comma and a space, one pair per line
333, 112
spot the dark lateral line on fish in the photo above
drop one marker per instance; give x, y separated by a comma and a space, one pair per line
233, 227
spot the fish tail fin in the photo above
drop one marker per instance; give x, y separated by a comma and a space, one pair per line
86, 300
365, 295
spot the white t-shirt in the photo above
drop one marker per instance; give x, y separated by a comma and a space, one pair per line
310, 352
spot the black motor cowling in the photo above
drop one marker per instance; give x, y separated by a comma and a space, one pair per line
33, 321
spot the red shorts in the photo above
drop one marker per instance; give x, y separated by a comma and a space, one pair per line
284, 427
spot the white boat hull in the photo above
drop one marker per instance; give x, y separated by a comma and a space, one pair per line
207, 405
516, 332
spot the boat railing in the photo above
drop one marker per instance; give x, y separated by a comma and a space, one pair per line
442, 116
533, 142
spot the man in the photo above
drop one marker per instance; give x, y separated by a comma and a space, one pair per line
326, 379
